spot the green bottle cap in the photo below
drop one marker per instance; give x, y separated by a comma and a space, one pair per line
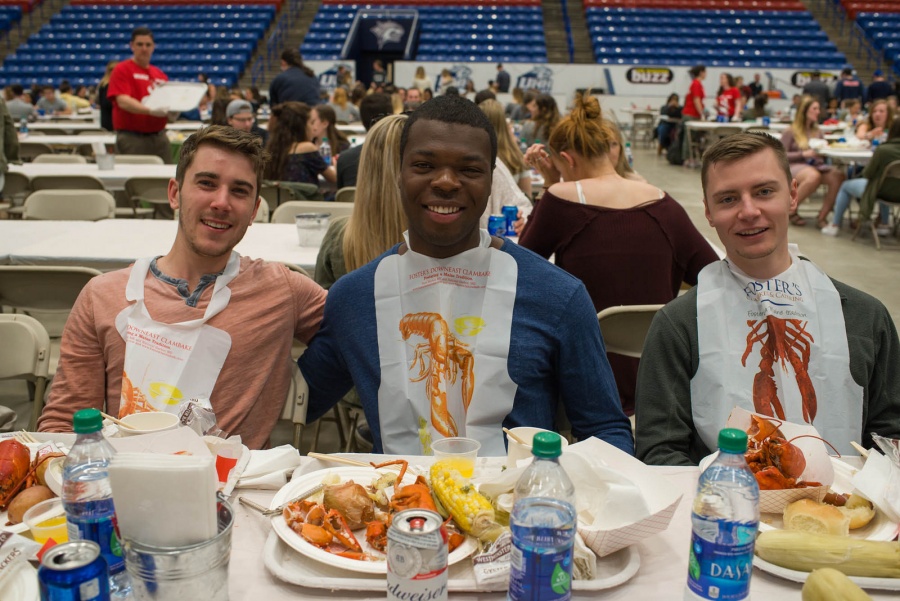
546, 445
87, 421
733, 440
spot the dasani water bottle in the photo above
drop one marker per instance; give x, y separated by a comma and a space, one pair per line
725, 517
325, 151
87, 496
543, 524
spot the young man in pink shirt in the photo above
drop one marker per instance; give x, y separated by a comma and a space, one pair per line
199, 321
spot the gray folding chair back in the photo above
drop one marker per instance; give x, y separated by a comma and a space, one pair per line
70, 205
346, 194
59, 158
286, 211
25, 354
47, 289
262, 214
16, 188
151, 190
66, 182
29, 150
889, 195
624, 328
139, 159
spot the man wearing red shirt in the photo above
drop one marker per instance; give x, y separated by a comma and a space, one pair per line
693, 109
139, 130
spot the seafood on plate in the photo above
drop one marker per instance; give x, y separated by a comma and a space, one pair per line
17, 470
776, 463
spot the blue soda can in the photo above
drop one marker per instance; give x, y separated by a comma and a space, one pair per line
766, 120
511, 212
497, 225
74, 571
721, 118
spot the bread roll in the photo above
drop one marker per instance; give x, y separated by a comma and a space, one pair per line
859, 510
808, 516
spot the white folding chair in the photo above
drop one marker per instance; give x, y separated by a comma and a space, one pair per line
59, 158
139, 159
625, 327
346, 194
150, 190
262, 214
286, 211
70, 205
296, 404
25, 354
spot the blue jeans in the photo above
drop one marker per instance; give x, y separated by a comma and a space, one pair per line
853, 188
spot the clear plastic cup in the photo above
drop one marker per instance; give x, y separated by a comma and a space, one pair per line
311, 228
516, 451
459, 453
47, 520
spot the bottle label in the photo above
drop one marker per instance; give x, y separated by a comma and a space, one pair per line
721, 558
545, 576
104, 533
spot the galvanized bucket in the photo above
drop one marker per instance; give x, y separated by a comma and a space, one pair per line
194, 572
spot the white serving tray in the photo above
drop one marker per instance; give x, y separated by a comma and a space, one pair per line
288, 565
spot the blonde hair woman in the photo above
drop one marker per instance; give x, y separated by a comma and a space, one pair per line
421, 80
629, 242
807, 167
879, 121
507, 148
378, 220
618, 156
344, 110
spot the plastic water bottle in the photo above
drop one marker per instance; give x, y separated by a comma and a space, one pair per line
87, 496
543, 527
325, 151
725, 518
629, 156
23, 127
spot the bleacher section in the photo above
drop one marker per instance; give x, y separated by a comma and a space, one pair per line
723, 37
216, 39
10, 16
510, 31
880, 23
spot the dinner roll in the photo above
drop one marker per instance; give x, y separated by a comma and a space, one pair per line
859, 510
808, 516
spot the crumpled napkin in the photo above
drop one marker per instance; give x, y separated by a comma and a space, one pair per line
267, 470
879, 481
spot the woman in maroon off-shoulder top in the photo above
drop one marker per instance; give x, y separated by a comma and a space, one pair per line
629, 242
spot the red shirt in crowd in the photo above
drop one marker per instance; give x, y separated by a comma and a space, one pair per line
727, 102
131, 79
695, 91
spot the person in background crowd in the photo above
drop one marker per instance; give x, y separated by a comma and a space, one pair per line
744, 90
502, 79
852, 114
253, 96
372, 108
413, 99
877, 123
445, 81
397, 106
729, 103
378, 220
670, 114
344, 77
451, 91
508, 150
833, 110
296, 82
795, 105
892, 102
241, 116
216, 189
139, 129
505, 189
756, 87
759, 109
357, 93
344, 111
807, 166
693, 107
18, 108
710, 349
380, 77
544, 117
860, 187
210, 88
104, 102
849, 86
50, 104
591, 216
9, 142
219, 106
75, 102
427, 94
817, 88
544, 352
483, 95
879, 88
401, 92
322, 119
294, 155
516, 110
618, 157
421, 80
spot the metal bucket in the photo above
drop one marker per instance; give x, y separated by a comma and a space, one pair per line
193, 572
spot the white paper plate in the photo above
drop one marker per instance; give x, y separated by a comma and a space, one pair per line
21, 527
880, 584
54, 475
21, 585
363, 476
287, 565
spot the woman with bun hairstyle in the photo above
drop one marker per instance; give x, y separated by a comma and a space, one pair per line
629, 242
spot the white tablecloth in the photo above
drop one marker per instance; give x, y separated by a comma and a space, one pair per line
113, 179
860, 156
662, 574
68, 125
115, 243
57, 140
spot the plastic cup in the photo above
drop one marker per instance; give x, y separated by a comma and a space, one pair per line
311, 228
47, 520
106, 162
458, 453
227, 456
516, 451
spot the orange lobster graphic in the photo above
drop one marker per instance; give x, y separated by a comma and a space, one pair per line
782, 340
447, 357
133, 397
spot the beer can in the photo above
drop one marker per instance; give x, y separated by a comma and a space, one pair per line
497, 225
74, 571
766, 121
417, 556
511, 212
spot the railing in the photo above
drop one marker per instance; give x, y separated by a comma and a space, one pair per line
275, 42
570, 44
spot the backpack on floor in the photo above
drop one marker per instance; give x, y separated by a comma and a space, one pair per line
674, 153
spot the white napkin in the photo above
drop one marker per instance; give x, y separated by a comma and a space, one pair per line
879, 481
267, 470
164, 500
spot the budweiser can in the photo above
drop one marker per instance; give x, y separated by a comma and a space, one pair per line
417, 556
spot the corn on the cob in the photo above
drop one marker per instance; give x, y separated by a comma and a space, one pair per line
806, 552
472, 512
827, 584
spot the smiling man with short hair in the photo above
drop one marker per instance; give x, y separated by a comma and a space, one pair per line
454, 332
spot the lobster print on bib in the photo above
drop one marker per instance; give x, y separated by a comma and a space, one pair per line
166, 364
444, 327
777, 347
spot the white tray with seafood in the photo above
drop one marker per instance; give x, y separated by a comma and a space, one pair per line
363, 476
289, 566
52, 473
879, 584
